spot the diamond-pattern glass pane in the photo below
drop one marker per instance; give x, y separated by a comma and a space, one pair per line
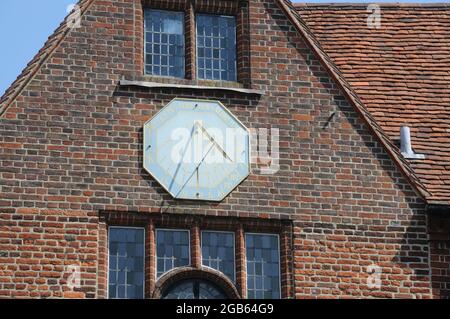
263, 266
126, 263
216, 47
164, 43
172, 250
218, 252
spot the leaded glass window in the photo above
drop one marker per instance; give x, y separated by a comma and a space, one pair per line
164, 43
263, 266
218, 252
216, 47
194, 289
126, 263
172, 250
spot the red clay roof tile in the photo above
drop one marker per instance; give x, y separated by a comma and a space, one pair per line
400, 71
327, 62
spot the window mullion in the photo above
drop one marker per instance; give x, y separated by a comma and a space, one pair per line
150, 273
195, 247
241, 272
191, 43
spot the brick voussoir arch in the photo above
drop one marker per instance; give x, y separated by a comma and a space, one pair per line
203, 273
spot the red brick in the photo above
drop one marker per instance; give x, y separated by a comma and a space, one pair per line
339, 189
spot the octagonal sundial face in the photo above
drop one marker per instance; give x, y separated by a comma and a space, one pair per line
197, 150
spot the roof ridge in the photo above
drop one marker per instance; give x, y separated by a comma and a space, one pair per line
381, 4
28, 73
354, 99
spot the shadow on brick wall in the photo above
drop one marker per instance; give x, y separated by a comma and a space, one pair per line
439, 231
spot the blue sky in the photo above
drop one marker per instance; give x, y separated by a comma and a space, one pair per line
26, 24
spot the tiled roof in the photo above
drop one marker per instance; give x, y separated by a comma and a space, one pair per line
41, 57
329, 64
401, 72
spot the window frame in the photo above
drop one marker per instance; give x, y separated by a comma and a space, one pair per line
195, 224
156, 249
108, 257
185, 49
234, 250
279, 258
196, 57
240, 10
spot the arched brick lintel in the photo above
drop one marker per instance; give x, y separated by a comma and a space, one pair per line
204, 273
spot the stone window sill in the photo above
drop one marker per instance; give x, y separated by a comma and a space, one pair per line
204, 85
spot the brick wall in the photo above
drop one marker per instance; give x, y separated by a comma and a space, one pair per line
38, 246
440, 254
71, 148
